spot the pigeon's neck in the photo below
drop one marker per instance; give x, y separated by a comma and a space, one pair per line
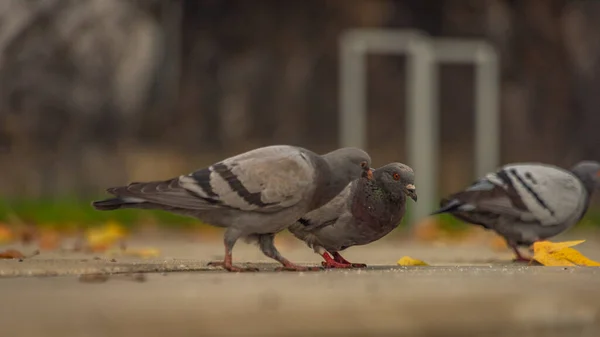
332, 179
589, 183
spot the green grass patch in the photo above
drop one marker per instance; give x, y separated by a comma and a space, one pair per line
70, 213
67, 213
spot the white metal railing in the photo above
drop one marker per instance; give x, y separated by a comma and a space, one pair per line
423, 55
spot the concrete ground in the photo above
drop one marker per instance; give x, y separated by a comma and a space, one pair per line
470, 290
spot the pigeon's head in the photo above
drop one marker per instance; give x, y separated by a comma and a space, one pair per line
397, 178
348, 163
589, 172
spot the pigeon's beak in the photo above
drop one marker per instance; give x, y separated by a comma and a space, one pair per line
411, 191
368, 173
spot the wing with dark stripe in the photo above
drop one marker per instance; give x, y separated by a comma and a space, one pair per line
236, 186
551, 194
263, 181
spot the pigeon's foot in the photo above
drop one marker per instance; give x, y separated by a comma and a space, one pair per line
231, 267
337, 257
335, 265
519, 257
331, 263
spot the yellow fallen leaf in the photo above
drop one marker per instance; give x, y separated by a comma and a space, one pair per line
550, 260
554, 246
100, 239
409, 261
561, 254
574, 256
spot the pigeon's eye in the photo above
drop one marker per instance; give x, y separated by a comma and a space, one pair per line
396, 176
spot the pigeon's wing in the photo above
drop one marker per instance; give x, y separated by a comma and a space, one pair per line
329, 213
552, 195
263, 180
527, 192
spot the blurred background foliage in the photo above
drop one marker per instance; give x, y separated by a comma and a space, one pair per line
95, 93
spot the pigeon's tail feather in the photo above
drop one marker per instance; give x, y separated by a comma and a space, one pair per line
163, 195
448, 206
108, 204
116, 203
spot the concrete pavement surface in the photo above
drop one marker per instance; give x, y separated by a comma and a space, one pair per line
469, 290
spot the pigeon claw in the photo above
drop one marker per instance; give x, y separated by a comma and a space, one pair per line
519, 257
335, 265
337, 257
330, 262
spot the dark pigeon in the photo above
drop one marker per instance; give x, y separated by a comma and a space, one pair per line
365, 211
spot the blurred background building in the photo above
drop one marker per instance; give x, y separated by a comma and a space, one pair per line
95, 93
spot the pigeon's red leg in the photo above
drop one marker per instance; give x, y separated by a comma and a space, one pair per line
267, 246
339, 258
331, 263
227, 262
520, 258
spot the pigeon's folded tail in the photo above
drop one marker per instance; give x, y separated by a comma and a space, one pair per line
113, 203
449, 206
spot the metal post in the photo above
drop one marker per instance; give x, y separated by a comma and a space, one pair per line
421, 130
487, 87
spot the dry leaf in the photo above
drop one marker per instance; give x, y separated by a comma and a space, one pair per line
409, 261
550, 260
561, 254
11, 254
554, 246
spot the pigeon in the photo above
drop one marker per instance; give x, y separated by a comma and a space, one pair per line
526, 202
254, 195
365, 211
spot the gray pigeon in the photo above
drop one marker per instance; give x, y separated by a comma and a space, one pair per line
254, 194
365, 211
526, 202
